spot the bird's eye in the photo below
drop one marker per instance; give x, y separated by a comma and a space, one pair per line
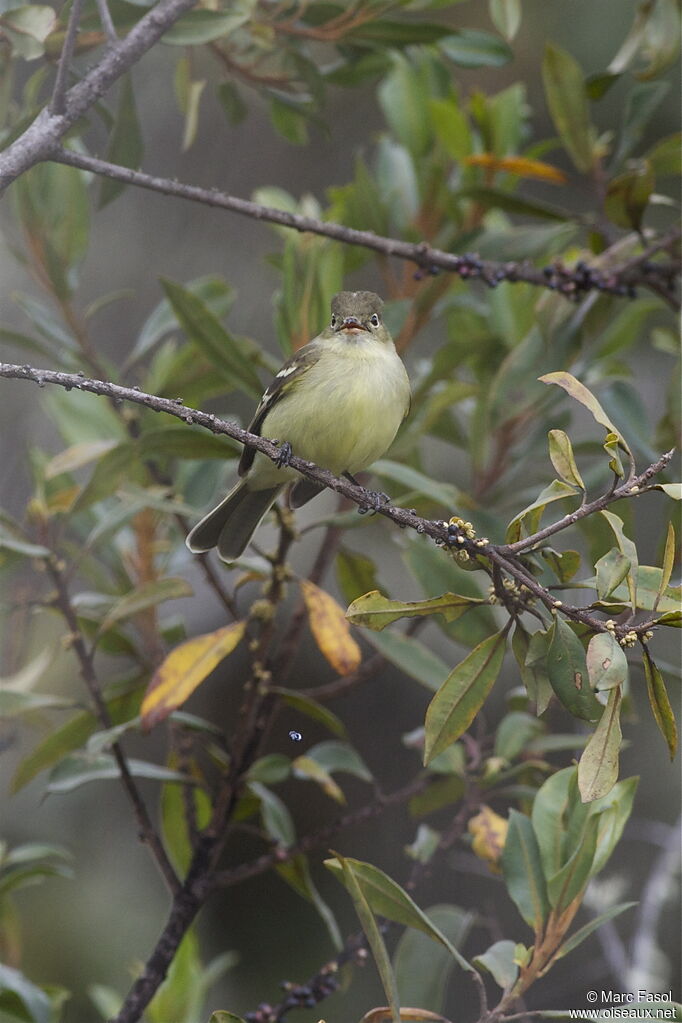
333, 321
374, 320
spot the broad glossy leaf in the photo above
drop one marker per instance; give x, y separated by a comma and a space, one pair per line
598, 767
660, 703
555, 491
497, 198
179, 442
564, 564
24, 997
330, 629
76, 456
614, 811
126, 145
339, 756
422, 968
506, 16
341, 866
174, 812
404, 102
470, 48
145, 596
207, 333
461, 696
628, 549
549, 816
563, 459
579, 392
185, 668
411, 656
203, 26
567, 669
584, 932
640, 104
303, 704
110, 471
532, 666
387, 898
611, 569
417, 482
270, 769
309, 770
296, 872
375, 611
567, 884
275, 815
607, 664
523, 871
79, 769
355, 574
499, 961
564, 84
514, 732
628, 195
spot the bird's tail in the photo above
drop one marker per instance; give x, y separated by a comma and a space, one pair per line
232, 523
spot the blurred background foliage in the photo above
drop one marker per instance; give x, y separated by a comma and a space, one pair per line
518, 131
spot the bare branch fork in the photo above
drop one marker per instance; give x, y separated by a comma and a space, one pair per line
505, 557
617, 279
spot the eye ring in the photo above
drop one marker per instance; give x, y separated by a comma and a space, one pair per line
333, 320
374, 320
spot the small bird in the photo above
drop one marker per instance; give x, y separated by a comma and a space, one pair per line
337, 402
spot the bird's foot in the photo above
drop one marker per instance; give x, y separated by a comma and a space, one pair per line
284, 456
376, 499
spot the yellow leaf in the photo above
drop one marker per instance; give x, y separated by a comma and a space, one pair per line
306, 767
489, 832
521, 165
185, 669
330, 628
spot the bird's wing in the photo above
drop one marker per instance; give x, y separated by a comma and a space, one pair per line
282, 385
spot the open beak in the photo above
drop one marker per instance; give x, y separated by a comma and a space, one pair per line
351, 323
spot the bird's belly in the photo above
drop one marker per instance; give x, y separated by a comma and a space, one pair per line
344, 423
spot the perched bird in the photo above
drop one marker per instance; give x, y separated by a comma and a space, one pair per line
338, 402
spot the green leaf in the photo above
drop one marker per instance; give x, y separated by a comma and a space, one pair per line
497, 198
275, 815
549, 814
668, 564
22, 999
111, 469
78, 769
499, 961
533, 671
398, 33
289, 119
410, 656
296, 872
339, 756
607, 664
568, 883
180, 442
584, 932
203, 26
375, 611
567, 669
611, 569
404, 102
10, 541
640, 104
387, 898
145, 596
470, 48
452, 128
506, 17
211, 338
355, 574
523, 871
516, 730
76, 456
660, 703
598, 767
613, 811
564, 564
223, 1016
564, 84
303, 704
372, 932
232, 103
628, 549
673, 490
174, 811
26, 27
563, 459
555, 491
14, 703
627, 196
73, 735
417, 482
423, 969
579, 392
666, 156
126, 146
462, 695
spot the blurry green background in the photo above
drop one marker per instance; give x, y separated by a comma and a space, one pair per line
96, 928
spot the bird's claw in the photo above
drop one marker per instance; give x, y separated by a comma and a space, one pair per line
375, 500
284, 455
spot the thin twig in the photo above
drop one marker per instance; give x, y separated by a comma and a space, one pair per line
107, 21
571, 283
87, 669
504, 555
57, 102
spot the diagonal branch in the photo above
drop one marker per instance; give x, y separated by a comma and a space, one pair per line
505, 556
43, 135
617, 279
